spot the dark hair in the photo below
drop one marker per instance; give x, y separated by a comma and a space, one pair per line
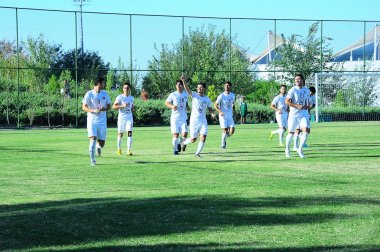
283, 85
179, 81
204, 85
98, 80
127, 83
312, 89
300, 75
229, 83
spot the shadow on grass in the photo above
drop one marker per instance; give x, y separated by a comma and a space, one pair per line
78, 221
234, 247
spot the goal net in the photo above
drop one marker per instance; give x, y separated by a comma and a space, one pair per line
347, 97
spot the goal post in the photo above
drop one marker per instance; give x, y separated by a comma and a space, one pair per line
347, 96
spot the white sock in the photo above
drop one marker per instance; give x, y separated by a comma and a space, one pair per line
175, 143
200, 147
281, 135
288, 140
224, 137
129, 143
118, 142
295, 141
303, 139
91, 149
187, 141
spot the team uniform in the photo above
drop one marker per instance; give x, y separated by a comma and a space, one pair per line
198, 121
97, 122
279, 103
298, 118
226, 103
125, 117
178, 118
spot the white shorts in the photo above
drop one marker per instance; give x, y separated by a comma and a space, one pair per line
124, 124
298, 123
282, 119
178, 126
226, 122
198, 128
97, 130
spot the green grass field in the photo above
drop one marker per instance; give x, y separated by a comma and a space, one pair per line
248, 197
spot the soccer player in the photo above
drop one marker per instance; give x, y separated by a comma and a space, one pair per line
96, 103
225, 105
124, 103
281, 108
198, 122
243, 110
298, 132
298, 101
177, 102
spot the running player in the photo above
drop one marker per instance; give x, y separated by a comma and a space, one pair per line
281, 108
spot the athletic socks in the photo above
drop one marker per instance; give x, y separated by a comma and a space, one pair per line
175, 142
281, 135
224, 137
295, 141
303, 139
118, 142
129, 143
200, 147
91, 149
288, 140
187, 141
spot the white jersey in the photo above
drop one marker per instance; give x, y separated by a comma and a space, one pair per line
279, 102
199, 106
127, 111
312, 100
179, 100
226, 103
298, 96
95, 100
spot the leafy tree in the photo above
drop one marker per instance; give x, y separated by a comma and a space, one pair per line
303, 55
40, 57
90, 64
263, 91
206, 58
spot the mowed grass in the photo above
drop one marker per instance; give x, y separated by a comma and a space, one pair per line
247, 197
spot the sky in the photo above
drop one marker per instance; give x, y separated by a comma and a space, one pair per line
110, 34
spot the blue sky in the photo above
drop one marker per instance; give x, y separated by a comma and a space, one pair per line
109, 35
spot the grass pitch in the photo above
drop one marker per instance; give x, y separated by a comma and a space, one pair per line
247, 197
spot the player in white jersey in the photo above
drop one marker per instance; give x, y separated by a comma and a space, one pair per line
96, 103
225, 105
177, 102
298, 101
124, 103
281, 109
198, 122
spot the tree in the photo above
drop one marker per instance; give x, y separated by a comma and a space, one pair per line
90, 64
298, 55
206, 58
40, 57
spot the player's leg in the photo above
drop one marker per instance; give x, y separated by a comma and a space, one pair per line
129, 128
121, 127
303, 126
203, 135
184, 130
194, 132
223, 126
102, 133
92, 135
292, 123
279, 123
295, 140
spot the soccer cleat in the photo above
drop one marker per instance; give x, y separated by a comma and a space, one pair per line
175, 152
197, 155
179, 147
305, 146
271, 135
98, 151
223, 147
183, 146
119, 152
129, 153
299, 151
287, 154
93, 163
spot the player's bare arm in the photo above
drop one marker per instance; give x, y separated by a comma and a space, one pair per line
216, 106
185, 85
171, 106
